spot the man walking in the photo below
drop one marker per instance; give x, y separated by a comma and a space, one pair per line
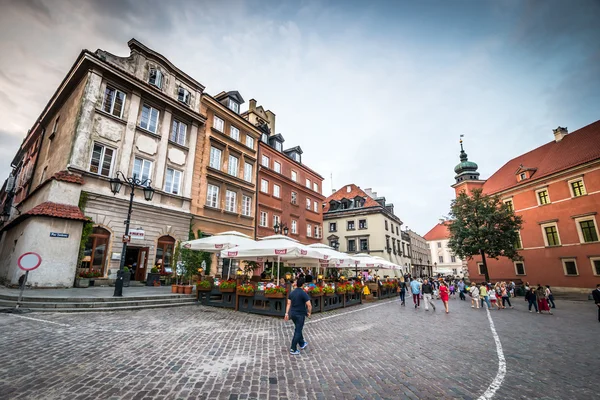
415, 288
298, 308
596, 294
427, 290
461, 289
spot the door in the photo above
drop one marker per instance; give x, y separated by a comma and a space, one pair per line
142, 262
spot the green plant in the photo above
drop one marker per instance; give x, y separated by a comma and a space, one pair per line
275, 290
340, 288
328, 290
90, 274
245, 288
204, 285
314, 291
229, 284
126, 269
154, 270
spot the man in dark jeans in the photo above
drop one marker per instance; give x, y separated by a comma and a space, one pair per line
298, 308
596, 294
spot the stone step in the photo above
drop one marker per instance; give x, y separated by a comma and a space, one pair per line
102, 304
100, 309
40, 299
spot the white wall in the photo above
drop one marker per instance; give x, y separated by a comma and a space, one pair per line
446, 267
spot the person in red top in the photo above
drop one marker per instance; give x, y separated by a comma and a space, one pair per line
444, 294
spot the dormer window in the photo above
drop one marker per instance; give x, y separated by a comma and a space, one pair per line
522, 176
155, 78
264, 138
183, 95
296, 157
233, 106
278, 146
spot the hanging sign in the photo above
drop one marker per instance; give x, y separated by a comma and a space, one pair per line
137, 234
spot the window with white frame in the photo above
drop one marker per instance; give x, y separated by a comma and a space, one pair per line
233, 165
316, 187
102, 160
333, 227
577, 187
315, 206
587, 229
296, 157
441, 259
218, 124
294, 198
278, 146
453, 259
114, 101
519, 268
264, 138
308, 204
155, 77
247, 206
318, 232
212, 196
248, 172
308, 183
362, 224
265, 161
149, 119
480, 268
172, 181
518, 242
509, 204
276, 220
551, 236
570, 266
276, 191
294, 226
234, 133
264, 218
308, 230
294, 176
350, 226
264, 186
542, 196
276, 166
439, 245
250, 141
183, 95
178, 132
595, 265
233, 106
215, 158
142, 169
230, 201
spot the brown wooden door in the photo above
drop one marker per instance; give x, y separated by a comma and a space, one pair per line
142, 262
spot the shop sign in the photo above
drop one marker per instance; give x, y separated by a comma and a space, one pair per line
137, 234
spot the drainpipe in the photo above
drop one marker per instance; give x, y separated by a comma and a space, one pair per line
256, 189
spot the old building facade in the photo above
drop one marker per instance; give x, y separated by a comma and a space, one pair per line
419, 255
444, 261
555, 189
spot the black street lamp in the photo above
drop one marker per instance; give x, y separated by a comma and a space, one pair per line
335, 244
115, 187
281, 227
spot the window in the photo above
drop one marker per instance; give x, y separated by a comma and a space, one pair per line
439, 244
172, 181
102, 160
332, 227
351, 245
588, 231
294, 226
364, 245
542, 196
294, 176
362, 224
178, 132
233, 165
183, 95
247, 206
278, 146
264, 186
276, 220
509, 205
296, 157
595, 265
277, 166
264, 138
308, 183
164, 252
481, 268
386, 225
308, 230
453, 259
441, 259
155, 78
264, 219
250, 141
142, 169
316, 187
570, 266
233, 106
265, 161
234, 133
397, 232
315, 207
294, 198
218, 124
523, 176
149, 120
276, 191
113, 103
96, 248
248, 172
230, 201
350, 226
551, 235
212, 196
308, 204
519, 268
577, 188
518, 242
215, 158
317, 232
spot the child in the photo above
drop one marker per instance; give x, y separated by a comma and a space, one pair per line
452, 291
492, 294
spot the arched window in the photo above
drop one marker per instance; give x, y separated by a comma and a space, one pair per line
164, 253
96, 248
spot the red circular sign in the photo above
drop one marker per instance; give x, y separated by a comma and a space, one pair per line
29, 261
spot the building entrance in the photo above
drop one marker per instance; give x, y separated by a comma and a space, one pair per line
136, 258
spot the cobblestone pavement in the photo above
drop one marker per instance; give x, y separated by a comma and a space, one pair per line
374, 351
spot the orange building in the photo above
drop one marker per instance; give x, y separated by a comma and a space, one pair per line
555, 188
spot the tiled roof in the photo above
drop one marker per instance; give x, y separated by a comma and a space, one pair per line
354, 192
57, 210
66, 176
438, 232
579, 147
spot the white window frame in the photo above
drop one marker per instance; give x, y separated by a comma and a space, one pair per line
570, 183
543, 226
158, 80
150, 109
294, 198
143, 162
316, 187
441, 259
249, 141
294, 176
296, 157
564, 260
233, 161
264, 186
265, 161
537, 196
175, 181
512, 204
308, 183
480, 268
212, 196
308, 230
213, 162
317, 232
101, 160
521, 240
294, 227
218, 124
523, 176
264, 219
276, 191
315, 207
177, 136
276, 167
183, 95
248, 169
234, 133
334, 224
278, 146
453, 259
517, 271
580, 231
592, 259
246, 205
364, 227
230, 201
348, 225
276, 220
308, 203
234, 106
112, 102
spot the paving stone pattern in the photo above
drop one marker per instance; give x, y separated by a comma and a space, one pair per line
373, 351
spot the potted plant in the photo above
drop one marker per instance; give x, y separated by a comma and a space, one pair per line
126, 276
153, 276
358, 287
315, 291
204, 286
275, 292
227, 286
245, 289
341, 289
328, 291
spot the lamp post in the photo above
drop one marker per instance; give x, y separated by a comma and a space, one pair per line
115, 187
281, 227
335, 244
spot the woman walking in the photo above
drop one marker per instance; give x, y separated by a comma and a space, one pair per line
542, 301
505, 296
444, 294
531, 298
402, 291
474, 291
550, 296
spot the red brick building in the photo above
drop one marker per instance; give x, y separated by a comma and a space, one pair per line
556, 190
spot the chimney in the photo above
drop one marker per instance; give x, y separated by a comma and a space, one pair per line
560, 133
271, 118
252, 105
348, 189
369, 192
332, 191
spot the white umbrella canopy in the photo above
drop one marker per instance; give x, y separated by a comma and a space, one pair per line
387, 264
219, 242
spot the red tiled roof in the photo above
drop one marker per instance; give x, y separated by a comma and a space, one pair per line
354, 192
66, 176
438, 232
57, 210
579, 147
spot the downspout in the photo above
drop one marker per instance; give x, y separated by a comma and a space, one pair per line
36, 160
256, 194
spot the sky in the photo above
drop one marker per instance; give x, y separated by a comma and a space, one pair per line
376, 93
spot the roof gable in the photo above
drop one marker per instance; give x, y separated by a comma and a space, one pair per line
344, 194
438, 232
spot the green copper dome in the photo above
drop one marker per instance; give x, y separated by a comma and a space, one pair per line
466, 170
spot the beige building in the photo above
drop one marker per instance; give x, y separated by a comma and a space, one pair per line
444, 261
362, 222
419, 255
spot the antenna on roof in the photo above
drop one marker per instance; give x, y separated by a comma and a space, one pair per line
331, 181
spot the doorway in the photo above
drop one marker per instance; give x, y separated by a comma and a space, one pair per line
136, 258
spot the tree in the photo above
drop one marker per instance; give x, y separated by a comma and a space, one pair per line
483, 225
191, 260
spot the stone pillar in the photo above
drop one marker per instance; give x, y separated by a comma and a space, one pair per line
127, 144
161, 157
191, 159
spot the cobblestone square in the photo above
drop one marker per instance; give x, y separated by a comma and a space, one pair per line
373, 351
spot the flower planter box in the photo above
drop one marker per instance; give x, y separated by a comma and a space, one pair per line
274, 296
328, 294
316, 295
180, 289
227, 290
250, 294
152, 278
187, 289
82, 282
174, 288
201, 289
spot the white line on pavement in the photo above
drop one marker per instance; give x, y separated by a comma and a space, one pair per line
495, 385
40, 320
349, 312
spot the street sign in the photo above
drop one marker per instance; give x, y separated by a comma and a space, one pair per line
29, 261
126, 239
59, 235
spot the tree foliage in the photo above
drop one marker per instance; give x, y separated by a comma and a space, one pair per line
483, 225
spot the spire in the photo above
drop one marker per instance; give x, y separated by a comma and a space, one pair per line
465, 170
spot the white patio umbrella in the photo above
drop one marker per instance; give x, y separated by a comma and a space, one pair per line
388, 264
278, 247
